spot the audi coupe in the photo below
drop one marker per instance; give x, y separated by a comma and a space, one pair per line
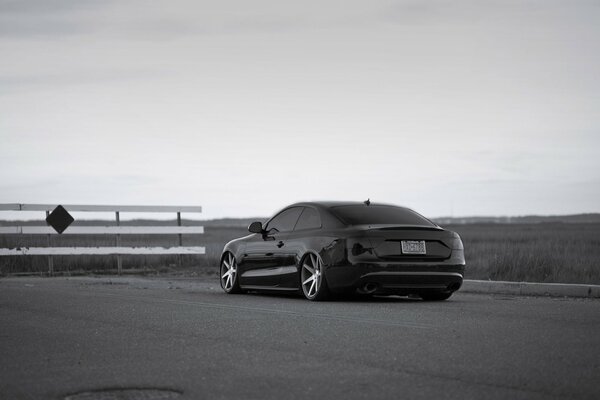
323, 248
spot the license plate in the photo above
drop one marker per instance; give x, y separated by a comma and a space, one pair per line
413, 247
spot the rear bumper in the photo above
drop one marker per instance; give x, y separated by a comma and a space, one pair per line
395, 278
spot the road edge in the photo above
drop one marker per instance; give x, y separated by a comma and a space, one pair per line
531, 288
468, 286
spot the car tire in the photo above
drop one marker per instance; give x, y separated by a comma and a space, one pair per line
312, 279
435, 296
228, 274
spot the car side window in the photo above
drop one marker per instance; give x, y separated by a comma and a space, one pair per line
285, 220
309, 219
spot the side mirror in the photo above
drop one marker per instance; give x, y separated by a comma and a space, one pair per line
255, 227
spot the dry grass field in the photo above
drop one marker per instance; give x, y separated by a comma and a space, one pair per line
543, 252
537, 252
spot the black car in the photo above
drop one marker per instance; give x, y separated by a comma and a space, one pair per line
320, 248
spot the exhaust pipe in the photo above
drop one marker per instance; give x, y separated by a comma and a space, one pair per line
369, 288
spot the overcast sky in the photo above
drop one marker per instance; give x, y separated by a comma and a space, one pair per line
449, 107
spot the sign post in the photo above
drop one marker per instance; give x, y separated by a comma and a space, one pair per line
59, 219
50, 260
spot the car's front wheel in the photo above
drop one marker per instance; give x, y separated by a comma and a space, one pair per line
229, 275
312, 279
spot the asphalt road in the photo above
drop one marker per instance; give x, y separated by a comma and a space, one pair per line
60, 336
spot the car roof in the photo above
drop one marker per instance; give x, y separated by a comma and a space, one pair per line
328, 219
329, 204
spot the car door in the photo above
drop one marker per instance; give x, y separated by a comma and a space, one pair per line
265, 254
296, 244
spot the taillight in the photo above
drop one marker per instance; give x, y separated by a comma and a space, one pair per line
362, 246
457, 243
358, 249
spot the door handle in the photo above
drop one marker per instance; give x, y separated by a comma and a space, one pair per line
280, 244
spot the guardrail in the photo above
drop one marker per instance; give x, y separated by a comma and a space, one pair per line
117, 230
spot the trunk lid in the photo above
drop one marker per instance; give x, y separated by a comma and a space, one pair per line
386, 241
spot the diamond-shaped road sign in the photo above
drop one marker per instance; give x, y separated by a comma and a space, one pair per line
59, 219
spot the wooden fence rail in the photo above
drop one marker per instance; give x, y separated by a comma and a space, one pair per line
117, 230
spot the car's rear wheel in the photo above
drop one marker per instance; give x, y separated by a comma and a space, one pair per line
435, 296
312, 279
229, 275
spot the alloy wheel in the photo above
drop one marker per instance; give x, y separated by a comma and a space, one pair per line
311, 276
228, 273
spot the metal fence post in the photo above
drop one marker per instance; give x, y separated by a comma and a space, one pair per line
50, 259
119, 259
180, 237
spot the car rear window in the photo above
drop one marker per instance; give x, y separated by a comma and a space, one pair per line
379, 214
